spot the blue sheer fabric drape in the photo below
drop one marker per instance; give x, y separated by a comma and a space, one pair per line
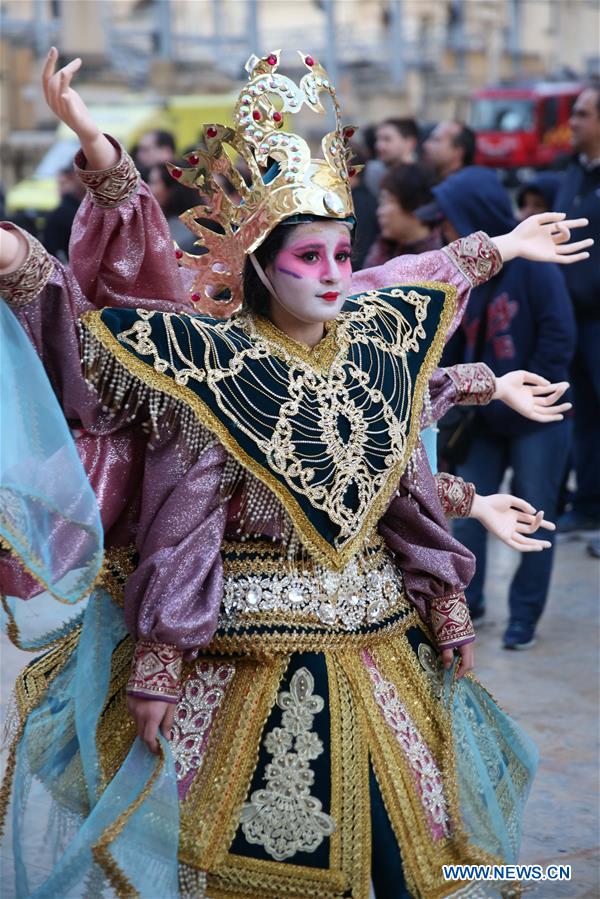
69, 833
495, 765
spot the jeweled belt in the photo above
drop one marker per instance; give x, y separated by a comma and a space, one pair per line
282, 604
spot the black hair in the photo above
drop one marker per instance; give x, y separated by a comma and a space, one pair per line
369, 136
410, 183
164, 139
256, 296
404, 127
465, 139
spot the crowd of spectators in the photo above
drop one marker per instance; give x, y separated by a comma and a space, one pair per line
537, 318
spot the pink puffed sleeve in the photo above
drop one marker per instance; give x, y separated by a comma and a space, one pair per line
436, 568
172, 599
121, 252
48, 301
464, 263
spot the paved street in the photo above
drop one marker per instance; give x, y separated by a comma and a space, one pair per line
552, 690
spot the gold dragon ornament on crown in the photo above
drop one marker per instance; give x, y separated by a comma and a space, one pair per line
297, 184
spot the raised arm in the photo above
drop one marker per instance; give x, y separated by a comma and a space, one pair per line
470, 261
121, 251
463, 264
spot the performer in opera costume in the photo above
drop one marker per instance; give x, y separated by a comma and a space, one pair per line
280, 600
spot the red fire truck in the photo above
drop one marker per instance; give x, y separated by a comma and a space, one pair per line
521, 127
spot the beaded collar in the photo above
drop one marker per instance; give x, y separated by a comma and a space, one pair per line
328, 430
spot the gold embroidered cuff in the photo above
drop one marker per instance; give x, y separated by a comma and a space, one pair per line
451, 621
475, 383
110, 187
476, 257
155, 671
21, 287
456, 495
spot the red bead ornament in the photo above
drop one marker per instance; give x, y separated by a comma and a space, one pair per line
272, 60
309, 61
211, 132
176, 173
256, 115
349, 132
351, 171
193, 159
277, 117
178, 254
195, 297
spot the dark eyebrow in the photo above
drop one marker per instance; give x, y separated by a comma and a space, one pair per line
320, 246
310, 246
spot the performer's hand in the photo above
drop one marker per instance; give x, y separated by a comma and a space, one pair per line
67, 104
467, 658
511, 519
544, 238
532, 396
149, 715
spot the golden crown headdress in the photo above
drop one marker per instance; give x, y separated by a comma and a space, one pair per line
284, 179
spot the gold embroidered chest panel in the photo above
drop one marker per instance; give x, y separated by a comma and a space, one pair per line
329, 430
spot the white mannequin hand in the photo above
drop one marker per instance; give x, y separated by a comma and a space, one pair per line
544, 238
511, 519
532, 396
69, 107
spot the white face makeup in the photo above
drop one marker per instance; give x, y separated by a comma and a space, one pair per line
312, 273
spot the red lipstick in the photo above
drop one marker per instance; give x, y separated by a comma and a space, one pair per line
331, 296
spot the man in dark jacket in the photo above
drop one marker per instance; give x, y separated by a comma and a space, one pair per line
579, 195
529, 325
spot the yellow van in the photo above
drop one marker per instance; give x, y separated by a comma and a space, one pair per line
127, 121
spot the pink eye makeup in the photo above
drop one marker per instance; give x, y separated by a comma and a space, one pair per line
310, 260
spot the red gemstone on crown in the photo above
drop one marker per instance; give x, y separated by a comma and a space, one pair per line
194, 160
195, 297
272, 60
177, 173
211, 132
309, 61
256, 115
349, 132
352, 171
178, 254
277, 117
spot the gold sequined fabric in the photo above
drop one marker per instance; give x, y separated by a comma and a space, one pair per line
252, 738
